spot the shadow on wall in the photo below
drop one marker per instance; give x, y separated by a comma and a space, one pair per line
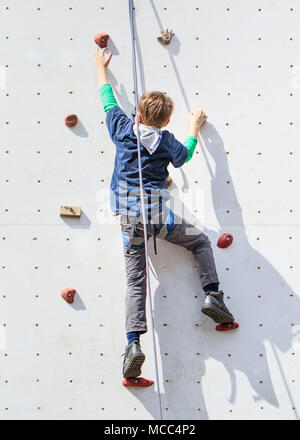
182, 367
78, 223
121, 95
192, 337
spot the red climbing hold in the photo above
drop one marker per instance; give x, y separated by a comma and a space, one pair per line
101, 39
225, 240
71, 120
68, 294
137, 382
226, 327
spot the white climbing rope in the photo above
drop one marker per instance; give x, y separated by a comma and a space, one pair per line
133, 49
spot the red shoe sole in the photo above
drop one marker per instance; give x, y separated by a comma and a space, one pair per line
226, 327
137, 382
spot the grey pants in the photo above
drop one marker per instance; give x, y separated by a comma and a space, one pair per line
181, 233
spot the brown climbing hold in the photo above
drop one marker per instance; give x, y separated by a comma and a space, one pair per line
70, 211
225, 240
226, 327
71, 120
101, 39
166, 37
68, 294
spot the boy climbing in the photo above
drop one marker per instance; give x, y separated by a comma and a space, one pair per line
158, 149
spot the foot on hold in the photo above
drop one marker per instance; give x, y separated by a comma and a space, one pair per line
133, 360
137, 382
215, 308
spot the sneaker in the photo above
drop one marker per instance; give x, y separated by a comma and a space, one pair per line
215, 308
133, 360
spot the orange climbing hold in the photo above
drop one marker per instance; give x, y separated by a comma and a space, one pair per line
71, 120
225, 240
68, 294
137, 382
101, 39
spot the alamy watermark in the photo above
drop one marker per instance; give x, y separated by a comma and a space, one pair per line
188, 206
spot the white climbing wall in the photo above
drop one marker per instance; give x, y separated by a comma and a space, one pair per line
239, 60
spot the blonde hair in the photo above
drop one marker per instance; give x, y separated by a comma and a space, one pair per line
155, 108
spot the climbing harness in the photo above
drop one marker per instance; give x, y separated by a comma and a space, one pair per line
154, 238
133, 49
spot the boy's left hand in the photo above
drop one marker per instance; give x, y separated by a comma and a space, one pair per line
100, 60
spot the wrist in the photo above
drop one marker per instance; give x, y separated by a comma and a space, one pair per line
101, 72
102, 78
101, 68
194, 131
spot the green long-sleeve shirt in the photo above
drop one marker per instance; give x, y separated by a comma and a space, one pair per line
109, 101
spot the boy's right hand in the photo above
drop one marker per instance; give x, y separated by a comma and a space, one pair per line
197, 119
101, 64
